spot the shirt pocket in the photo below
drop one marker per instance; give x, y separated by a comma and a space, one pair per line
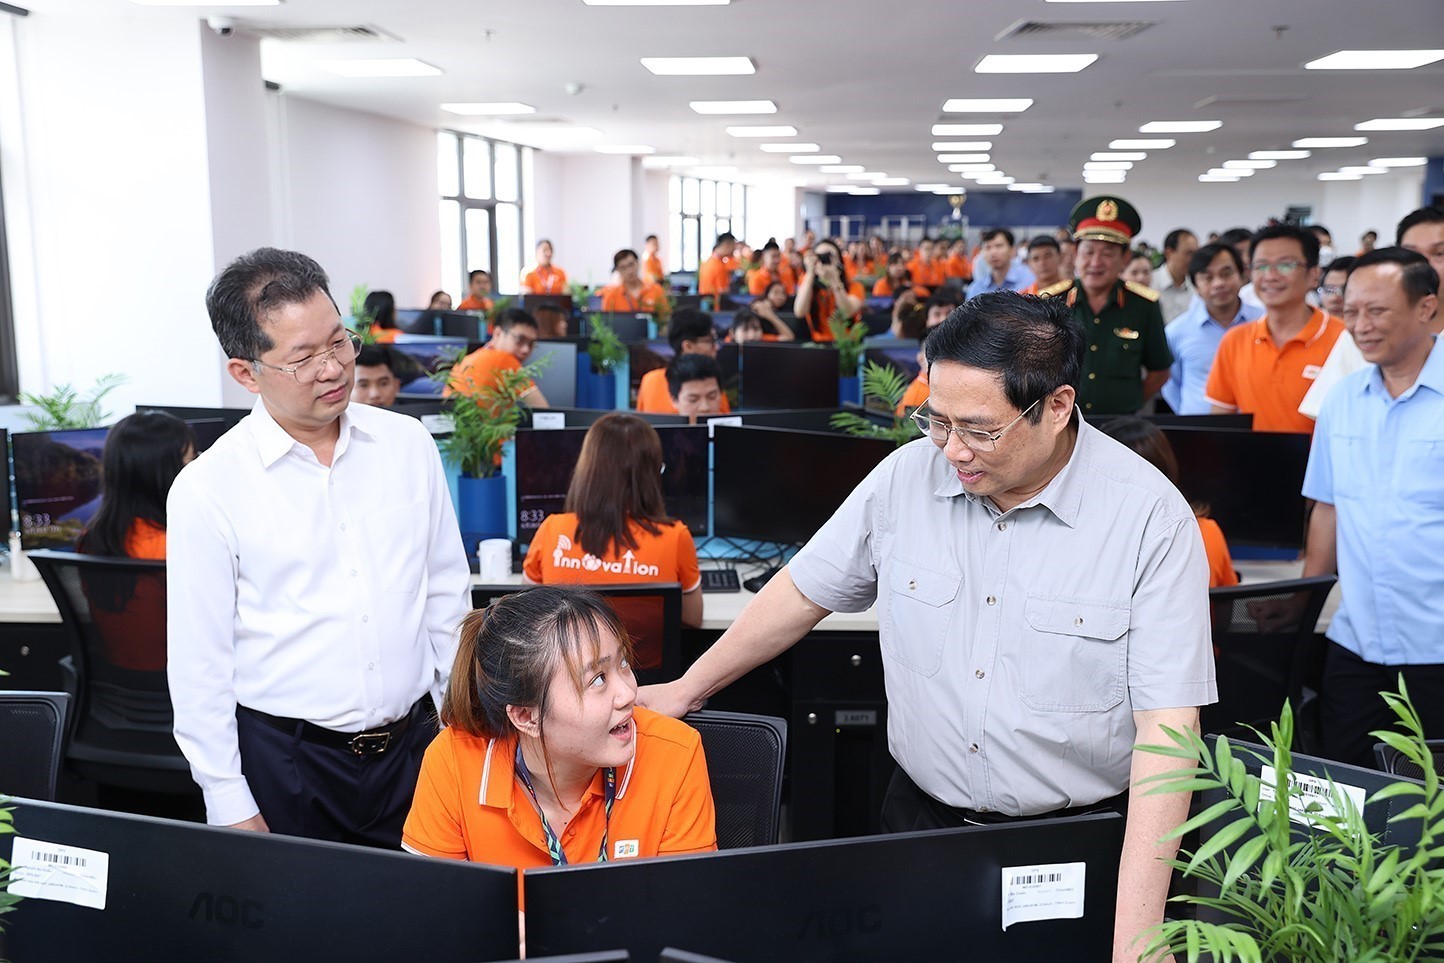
1350, 459
1074, 656
396, 546
920, 612
1419, 477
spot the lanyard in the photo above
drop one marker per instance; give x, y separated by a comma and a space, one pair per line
554, 845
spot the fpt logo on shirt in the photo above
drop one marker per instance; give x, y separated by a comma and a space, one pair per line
628, 565
625, 849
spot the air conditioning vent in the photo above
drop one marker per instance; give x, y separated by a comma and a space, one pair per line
1059, 30
361, 34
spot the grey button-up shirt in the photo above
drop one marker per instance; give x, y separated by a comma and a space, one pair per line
1017, 645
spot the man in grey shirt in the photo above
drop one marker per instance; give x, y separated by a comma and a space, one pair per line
1042, 600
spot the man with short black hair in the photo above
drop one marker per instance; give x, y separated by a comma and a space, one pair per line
511, 344
1003, 273
1042, 598
1170, 280
478, 296
1265, 367
714, 277
690, 332
1216, 272
1045, 260
652, 262
694, 383
1374, 473
378, 380
311, 631
1239, 238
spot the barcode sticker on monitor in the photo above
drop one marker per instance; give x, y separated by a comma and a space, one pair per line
1312, 790
66, 874
1048, 891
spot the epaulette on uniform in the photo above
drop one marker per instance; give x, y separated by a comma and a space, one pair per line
1053, 290
1142, 290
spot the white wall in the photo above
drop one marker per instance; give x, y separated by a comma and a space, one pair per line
653, 217
111, 154
1377, 203
773, 210
362, 199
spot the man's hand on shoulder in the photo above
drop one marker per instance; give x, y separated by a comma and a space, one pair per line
668, 698
256, 824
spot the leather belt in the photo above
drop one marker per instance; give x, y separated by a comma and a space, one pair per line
371, 742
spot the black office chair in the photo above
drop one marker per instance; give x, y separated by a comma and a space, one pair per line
651, 612
1395, 763
33, 724
113, 612
745, 756
1266, 652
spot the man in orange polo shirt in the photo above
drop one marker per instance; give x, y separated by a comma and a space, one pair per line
959, 267
928, 272
479, 297
772, 269
1265, 367
690, 332
1045, 260
511, 344
545, 278
652, 262
632, 293
714, 277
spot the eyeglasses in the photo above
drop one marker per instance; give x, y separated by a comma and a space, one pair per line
308, 370
1283, 269
972, 438
1331, 290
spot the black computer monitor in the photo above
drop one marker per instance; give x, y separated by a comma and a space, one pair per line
788, 376
545, 460
1231, 422
59, 479
900, 355
1251, 482
777, 485
182, 891
630, 327
432, 353
231, 416
6, 502
798, 419
206, 431
530, 302
910, 896
557, 375
585, 417
470, 325
416, 320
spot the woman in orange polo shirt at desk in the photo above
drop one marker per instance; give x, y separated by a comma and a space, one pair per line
615, 529
143, 454
546, 759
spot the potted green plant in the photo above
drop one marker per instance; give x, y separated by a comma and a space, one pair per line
362, 321
480, 425
64, 407
1330, 891
885, 385
847, 338
597, 374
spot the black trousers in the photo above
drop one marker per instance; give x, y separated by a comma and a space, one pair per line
1350, 706
329, 792
906, 808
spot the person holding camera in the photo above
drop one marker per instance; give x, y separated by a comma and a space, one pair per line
824, 290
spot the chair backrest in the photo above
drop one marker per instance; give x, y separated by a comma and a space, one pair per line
33, 724
651, 612
1395, 763
113, 612
745, 757
1266, 649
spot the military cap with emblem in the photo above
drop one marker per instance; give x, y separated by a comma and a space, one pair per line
1105, 218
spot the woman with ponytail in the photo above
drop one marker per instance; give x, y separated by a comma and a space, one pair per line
546, 759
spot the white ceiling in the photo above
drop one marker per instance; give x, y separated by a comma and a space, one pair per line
866, 79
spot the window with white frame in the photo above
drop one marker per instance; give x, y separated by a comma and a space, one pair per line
700, 210
483, 185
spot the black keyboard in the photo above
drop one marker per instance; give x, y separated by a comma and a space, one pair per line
720, 580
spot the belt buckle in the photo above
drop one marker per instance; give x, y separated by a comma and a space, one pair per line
370, 743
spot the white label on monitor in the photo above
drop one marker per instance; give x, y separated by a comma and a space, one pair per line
1048, 891
436, 424
66, 874
731, 421
548, 420
1312, 790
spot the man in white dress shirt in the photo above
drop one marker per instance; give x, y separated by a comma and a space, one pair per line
316, 578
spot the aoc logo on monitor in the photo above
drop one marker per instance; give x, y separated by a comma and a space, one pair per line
228, 910
828, 923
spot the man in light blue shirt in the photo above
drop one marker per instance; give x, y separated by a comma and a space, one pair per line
1377, 473
1004, 273
1217, 273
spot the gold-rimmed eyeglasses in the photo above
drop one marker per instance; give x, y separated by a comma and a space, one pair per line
308, 370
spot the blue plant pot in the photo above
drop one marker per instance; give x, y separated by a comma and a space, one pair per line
849, 390
481, 509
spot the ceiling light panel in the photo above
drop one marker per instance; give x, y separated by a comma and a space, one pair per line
890, 181
1180, 126
789, 148
1108, 166
981, 105
840, 169
765, 131
699, 66
963, 158
1338, 176
952, 145
1142, 143
1232, 171
1250, 165
1401, 123
733, 106
1114, 155
1319, 143
971, 168
1278, 155
967, 130
1034, 63
1375, 60
634, 149
1361, 171
1398, 162
815, 159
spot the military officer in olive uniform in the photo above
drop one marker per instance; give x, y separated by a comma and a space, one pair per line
1128, 357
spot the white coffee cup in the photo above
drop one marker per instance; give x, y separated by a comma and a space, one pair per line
493, 556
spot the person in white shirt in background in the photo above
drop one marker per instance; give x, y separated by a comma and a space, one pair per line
1420, 231
316, 578
1170, 280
